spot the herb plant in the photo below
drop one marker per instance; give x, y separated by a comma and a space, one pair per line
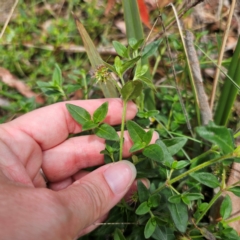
175, 206
187, 168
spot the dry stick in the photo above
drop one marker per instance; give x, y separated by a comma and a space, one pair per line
8, 19
219, 11
188, 7
71, 48
215, 82
205, 110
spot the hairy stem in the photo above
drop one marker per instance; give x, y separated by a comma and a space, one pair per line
197, 168
122, 129
214, 199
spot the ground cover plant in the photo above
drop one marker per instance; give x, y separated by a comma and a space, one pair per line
192, 192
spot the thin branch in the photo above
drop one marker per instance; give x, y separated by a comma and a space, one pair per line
192, 4
175, 78
205, 110
8, 18
225, 37
71, 48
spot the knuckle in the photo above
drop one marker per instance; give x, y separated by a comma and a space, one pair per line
95, 196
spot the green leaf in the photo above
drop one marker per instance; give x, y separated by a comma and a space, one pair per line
137, 146
218, 135
147, 81
57, 76
147, 114
179, 214
175, 144
143, 193
150, 227
163, 233
118, 235
193, 196
134, 44
140, 70
182, 164
235, 190
175, 199
207, 179
154, 200
186, 200
89, 125
49, 88
167, 158
174, 165
44, 84
226, 207
154, 152
202, 206
71, 88
129, 64
100, 113
112, 146
79, 114
118, 65
150, 49
131, 90
148, 136
143, 208
136, 132
229, 90
120, 49
107, 132
188, 197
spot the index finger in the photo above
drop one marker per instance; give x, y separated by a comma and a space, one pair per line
51, 125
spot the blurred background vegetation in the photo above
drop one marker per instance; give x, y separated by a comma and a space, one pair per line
43, 33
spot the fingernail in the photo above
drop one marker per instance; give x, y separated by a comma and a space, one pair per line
120, 176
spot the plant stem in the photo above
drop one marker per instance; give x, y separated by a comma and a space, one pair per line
174, 190
8, 18
202, 155
122, 80
122, 129
232, 220
85, 91
203, 165
214, 199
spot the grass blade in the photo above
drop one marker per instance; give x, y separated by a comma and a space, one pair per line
229, 90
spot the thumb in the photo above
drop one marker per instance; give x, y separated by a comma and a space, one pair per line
94, 195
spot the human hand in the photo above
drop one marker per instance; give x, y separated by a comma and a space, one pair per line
74, 199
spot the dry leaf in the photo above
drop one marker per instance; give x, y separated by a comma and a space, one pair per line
108, 87
5, 8
109, 6
13, 82
121, 26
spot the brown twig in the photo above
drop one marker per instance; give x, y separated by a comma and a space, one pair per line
188, 7
70, 48
8, 18
175, 78
205, 110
